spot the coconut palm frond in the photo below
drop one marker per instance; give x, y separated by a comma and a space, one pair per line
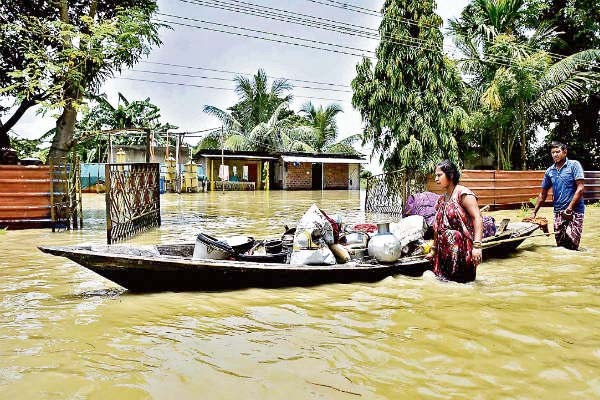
350, 140
236, 142
558, 97
280, 86
341, 148
125, 101
567, 67
209, 142
243, 87
229, 123
303, 132
543, 36
277, 113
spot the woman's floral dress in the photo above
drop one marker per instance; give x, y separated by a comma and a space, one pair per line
453, 259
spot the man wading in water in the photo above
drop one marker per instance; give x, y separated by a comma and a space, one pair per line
565, 178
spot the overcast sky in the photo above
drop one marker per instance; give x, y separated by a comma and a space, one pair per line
191, 48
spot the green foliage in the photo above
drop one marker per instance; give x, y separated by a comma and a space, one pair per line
257, 101
365, 174
262, 121
515, 86
92, 144
29, 148
65, 50
410, 98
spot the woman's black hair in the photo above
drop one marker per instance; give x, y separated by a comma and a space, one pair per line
450, 170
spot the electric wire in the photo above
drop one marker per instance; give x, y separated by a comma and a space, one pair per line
405, 44
241, 73
504, 60
231, 80
265, 33
375, 13
266, 38
219, 88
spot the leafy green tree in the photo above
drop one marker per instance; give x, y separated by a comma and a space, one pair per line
276, 134
322, 137
138, 114
577, 23
257, 100
514, 85
65, 50
409, 99
29, 148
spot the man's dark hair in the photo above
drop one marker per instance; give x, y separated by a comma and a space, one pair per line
450, 170
558, 145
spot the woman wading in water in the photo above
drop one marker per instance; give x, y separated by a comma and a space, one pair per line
458, 228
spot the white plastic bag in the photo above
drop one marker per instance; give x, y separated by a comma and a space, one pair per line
315, 222
313, 234
409, 229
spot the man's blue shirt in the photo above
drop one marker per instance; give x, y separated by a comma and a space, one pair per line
563, 184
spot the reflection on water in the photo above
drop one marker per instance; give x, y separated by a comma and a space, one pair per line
525, 329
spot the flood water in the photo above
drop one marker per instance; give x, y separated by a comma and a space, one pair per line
527, 328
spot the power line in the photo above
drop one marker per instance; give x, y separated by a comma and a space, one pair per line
264, 38
268, 33
243, 5
405, 44
242, 73
375, 13
420, 43
217, 88
232, 80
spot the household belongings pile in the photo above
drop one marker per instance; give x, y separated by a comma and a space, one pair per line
322, 240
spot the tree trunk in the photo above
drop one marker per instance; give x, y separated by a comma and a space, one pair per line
523, 138
63, 139
523, 151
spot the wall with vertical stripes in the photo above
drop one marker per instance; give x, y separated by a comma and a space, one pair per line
510, 189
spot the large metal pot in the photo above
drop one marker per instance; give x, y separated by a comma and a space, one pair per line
384, 246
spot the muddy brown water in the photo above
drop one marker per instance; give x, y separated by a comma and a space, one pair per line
527, 328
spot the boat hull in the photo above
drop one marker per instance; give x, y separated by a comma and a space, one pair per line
171, 267
141, 274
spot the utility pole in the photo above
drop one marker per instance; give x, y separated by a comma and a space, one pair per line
222, 161
177, 174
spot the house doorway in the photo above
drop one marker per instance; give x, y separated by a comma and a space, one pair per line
317, 176
252, 172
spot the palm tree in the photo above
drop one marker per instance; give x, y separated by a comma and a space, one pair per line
257, 102
323, 129
532, 88
276, 134
511, 77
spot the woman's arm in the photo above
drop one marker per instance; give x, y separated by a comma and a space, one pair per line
470, 204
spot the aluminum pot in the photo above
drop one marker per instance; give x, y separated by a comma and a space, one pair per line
356, 240
384, 246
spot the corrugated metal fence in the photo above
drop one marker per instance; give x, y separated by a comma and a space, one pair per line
509, 189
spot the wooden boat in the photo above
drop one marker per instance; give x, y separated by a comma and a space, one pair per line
170, 267
507, 241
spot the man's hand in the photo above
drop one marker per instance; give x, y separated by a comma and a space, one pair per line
567, 214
